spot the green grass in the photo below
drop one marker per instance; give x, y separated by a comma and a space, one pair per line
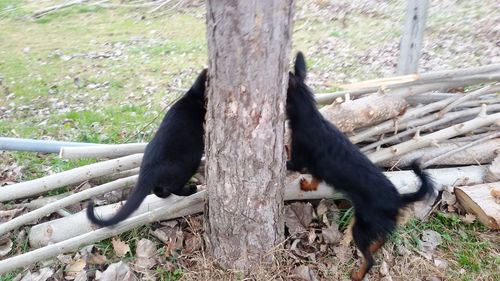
8, 276
463, 245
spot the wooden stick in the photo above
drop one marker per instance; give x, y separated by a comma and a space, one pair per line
440, 120
427, 140
115, 176
406, 181
69, 200
482, 153
73, 176
364, 111
413, 34
458, 149
427, 82
108, 151
466, 97
194, 204
389, 125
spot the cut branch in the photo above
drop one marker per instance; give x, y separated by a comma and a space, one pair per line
405, 181
431, 81
108, 151
194, 204
482, 153
67, 201
479, 201
364, 111
429, 124
427, 140
459, 149
390, 125
468, 96
73, 176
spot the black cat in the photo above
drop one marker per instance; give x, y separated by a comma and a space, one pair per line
172, 157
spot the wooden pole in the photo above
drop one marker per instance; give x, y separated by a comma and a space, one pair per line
411, 43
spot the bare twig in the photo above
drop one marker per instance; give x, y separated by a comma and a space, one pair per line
73, 176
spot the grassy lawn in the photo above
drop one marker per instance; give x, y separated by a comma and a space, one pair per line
106, 75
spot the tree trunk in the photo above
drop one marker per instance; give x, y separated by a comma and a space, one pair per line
248, 46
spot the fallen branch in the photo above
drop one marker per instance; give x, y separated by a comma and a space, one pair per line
406, 181
115, 176
431, 81
390, 125
430, 97
468, 96
185, 206
429, 124
73, 176
433, 138
482, 153
364, 111
72, 244
479, 201
459, 149
48, 10
108, 151
67, 201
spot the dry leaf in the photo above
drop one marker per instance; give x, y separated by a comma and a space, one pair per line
298, 216
96, 259
441, 264
74, 268
121, 248
342, 253
305, 273
5, 245
145, 248
42, 275
294, 248
7, 215
430, 240
82, 276
312, 236
449, 199
384, 269
119, 271
192, 244
331, 234
469, 218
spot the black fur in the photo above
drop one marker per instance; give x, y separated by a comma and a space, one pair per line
322, 149
172, 157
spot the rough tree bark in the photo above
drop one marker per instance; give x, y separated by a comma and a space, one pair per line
248, 45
